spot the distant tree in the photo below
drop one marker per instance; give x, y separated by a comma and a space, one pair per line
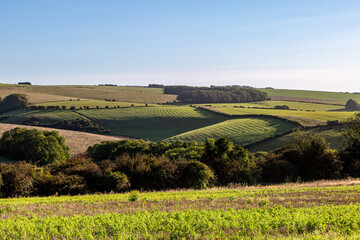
34, 146
282, 107
156, 86
24, 83
352, 105
13, 101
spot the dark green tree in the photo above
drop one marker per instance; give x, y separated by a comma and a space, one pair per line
352, 105
34, 146
13, 101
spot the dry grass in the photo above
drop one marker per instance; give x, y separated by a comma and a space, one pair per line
77, 141
33, 96
303, 197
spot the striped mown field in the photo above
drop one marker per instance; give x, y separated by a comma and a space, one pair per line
240, 131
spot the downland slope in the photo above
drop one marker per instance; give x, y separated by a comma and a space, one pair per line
310, 96
39, 94
169, 123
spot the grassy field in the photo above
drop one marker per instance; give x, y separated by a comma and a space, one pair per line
332, 134
316, 95
292, 105
40, 94
240, 131
91, 104
77, 141
319, 210
153, 123
317, 115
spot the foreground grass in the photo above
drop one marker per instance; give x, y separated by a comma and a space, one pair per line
312, 211
254, 223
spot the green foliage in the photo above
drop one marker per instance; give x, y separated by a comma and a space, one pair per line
350, 155
17, 179
13, 101
134, 196
34, 146
194, 174
147, 172
231, 163
352, 105
307, 155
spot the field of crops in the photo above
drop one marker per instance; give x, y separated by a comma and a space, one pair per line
317, 95
240, 131
320, 210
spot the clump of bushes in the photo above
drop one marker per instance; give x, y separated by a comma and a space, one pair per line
282, 107
34, 146
75, 125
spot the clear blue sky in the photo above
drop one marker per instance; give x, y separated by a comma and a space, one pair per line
296, 44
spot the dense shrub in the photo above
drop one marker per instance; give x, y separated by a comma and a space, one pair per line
350, 155
34, 146
282, 107
13, 101
17, 179
147, 172
352, 105
231, 163
194, 174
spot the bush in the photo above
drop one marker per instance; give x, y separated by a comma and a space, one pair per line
116, 181
13, 101
350, 155
147, 172
352, 105
312, 156
134, 196
17, 179
34, 146
194, 174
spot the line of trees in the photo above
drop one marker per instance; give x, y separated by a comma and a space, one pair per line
123, 165
215, 94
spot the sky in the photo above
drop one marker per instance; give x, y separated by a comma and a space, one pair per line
288, 44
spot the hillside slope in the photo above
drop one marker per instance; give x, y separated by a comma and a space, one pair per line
77, 141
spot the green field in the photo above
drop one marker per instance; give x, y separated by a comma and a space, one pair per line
41, 94
240, 131
292, 105
153, 123
319, 95
164, 122
317, 115
332, 134
91, 104
313, 211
